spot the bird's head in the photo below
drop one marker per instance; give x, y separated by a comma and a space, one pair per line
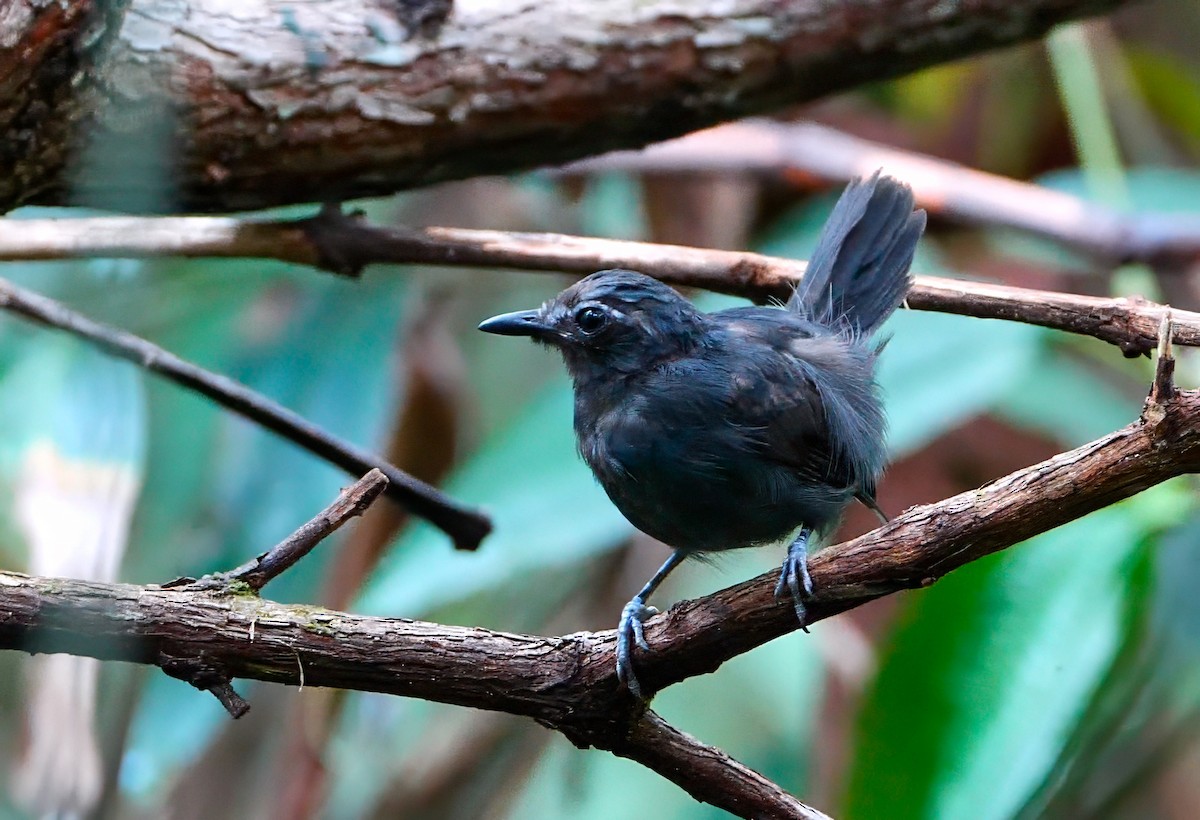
612, 322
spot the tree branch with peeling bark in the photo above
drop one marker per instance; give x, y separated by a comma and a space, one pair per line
498, 88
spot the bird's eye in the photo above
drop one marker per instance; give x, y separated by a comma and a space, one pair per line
590, 319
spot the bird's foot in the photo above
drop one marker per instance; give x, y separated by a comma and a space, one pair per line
794, 579
630, 632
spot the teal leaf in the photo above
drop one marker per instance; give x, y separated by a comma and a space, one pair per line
612, 206
81, 415
1035, 401
547, 509
991, 672
939, 370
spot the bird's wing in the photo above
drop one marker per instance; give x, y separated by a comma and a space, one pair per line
800, 421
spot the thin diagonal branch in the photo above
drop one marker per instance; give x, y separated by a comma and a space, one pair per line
208, 674
344, 244
464, 525
259, 571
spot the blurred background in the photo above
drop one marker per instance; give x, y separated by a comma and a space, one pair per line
1058, 679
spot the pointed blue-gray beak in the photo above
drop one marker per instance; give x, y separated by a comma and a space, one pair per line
521, 323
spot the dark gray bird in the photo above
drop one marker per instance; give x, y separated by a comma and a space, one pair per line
744, 427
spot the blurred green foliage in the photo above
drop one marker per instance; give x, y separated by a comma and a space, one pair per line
1006, 690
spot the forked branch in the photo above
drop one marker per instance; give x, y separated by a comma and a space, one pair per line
569, 683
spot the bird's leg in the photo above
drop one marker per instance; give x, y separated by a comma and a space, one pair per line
794, 578
629, 631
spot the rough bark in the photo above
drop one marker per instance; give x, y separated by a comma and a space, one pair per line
569, 683
257, 103
336, 243
49, 53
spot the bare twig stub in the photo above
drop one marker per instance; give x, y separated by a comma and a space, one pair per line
259, 571
569, 683
206, 676
464, 525
1163, 388
209, 676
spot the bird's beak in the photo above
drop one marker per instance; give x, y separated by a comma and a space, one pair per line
521, 323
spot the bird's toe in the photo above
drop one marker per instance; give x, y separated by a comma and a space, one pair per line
795, 583
631, 632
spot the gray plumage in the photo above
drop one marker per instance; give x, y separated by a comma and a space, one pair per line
715, 431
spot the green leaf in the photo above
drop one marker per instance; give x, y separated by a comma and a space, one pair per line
938, 370
612, 207
1073, 60
992, 670
1037, 401
1170, 88
1151, 188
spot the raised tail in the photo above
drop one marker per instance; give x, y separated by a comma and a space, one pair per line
858, 275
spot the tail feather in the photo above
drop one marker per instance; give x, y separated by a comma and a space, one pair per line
858, 274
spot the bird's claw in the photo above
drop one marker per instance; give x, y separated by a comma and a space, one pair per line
629, 632
795, 581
